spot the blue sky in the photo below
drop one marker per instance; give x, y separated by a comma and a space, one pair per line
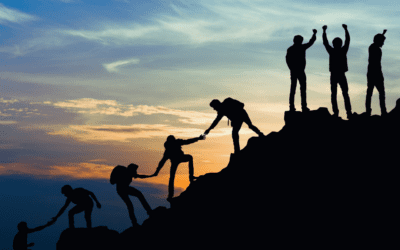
87, 85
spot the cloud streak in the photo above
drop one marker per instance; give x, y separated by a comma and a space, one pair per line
111, 107
8, 15
127, 133
114, 67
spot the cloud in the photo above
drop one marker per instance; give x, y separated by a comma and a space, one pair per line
127, 133
113, 67
111, 107
8, 101
7, 122
226, 22
14, 16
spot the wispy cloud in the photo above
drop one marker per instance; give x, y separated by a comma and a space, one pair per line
111, 107
8, 101
114, 66
7, 122
122, 133
14, 16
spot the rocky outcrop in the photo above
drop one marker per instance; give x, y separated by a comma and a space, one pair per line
319, 182
98, 238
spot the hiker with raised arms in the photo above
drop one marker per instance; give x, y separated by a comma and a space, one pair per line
338, 67
83, 200
234, 110
173, 152
296, 61
122, 176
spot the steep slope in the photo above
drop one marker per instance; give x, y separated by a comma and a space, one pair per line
319, 182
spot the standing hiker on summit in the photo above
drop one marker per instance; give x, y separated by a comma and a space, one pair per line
338, 68
173, 152
375, 75
235, 112
296, 61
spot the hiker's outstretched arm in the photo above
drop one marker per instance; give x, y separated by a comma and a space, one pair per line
160, 165
62, 209
189, 141
215, 123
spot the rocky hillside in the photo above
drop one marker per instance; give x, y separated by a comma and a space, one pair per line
319, 182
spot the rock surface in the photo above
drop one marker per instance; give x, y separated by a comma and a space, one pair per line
319, 182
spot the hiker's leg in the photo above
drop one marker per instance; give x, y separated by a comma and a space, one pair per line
246, 119
123, 193
88, 214
72, 212
293, 79
370, 90
189, 158
133, 191
345, 90
174, 166
235, 135
303, 90
334, 82
381, 88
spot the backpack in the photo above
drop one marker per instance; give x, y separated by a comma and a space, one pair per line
233, 105
116, 174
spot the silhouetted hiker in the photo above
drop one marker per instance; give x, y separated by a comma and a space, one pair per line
122, 176
80, 197
338, 67
173, 152
21, 238
375, 75
235, 112
296, 61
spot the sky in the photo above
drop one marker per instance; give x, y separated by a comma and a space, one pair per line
87, 85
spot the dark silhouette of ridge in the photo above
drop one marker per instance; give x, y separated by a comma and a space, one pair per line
97, 238
318, 182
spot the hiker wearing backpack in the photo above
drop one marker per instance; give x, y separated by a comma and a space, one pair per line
233, 109
173, 152
122, 176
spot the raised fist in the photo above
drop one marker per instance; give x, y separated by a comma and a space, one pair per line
315, 31
344, 26
324, 27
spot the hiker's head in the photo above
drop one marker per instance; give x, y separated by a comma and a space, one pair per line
22, 226
66, 190
379, 39
170, 138
132, 168
215, 104
298, 39
337, 43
